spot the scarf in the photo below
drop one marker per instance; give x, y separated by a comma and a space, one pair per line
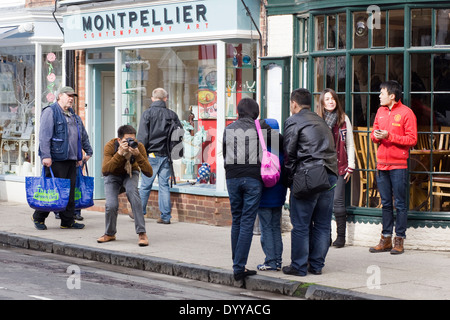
330, 118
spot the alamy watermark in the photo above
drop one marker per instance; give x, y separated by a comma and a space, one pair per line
243, 146
373, 21
374, 279
74, 280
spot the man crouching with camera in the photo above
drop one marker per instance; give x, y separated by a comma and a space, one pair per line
123, 160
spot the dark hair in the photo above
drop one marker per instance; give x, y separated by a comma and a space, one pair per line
321, 107
248, 108
302, 97
125, 129
393, 87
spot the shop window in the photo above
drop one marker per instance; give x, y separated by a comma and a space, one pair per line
360, 30
330, 73
17, 109
301, 64
421, 20
189, 75
369, 33
369, 71
330, 31
332, 27
423, 33
240, 76
423, 72
304, 35
443, 27
319, 28
379, 31
396, 28
303, 72
430, 101
342, 27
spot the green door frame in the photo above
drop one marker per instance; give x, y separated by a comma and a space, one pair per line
95, 102
285, 64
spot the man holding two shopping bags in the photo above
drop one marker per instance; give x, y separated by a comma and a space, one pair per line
62, 138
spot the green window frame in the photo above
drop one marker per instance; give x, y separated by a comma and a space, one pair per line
394, 52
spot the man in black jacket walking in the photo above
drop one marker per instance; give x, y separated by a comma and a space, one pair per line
308, 143
154, 130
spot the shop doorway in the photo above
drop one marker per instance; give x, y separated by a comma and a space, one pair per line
103, 122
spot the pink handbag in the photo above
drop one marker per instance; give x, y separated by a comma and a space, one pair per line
270, 163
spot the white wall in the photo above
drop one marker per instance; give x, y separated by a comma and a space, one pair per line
13, 191
280, 35
424, 238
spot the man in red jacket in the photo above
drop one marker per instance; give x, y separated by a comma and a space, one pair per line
395, 132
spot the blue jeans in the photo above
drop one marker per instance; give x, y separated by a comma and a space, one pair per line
244, 194
271, 242
161, 167
393, 183
310, 236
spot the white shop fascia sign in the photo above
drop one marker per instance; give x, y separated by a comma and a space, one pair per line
179, 21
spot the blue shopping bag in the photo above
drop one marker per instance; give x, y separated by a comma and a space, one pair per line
84, 189
47, 194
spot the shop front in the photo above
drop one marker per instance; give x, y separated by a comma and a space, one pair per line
203, 53
31, 73
352, 47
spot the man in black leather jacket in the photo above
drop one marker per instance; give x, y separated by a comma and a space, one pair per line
308, 142
154, 128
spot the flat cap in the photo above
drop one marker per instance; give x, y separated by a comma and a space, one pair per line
68, 91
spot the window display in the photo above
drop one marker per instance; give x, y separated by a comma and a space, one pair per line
18, 103
17, 70
189, 75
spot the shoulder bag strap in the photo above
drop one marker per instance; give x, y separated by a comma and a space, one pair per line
261, 138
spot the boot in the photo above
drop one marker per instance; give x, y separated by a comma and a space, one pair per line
398, 246
384, 245
341, 225
143, 239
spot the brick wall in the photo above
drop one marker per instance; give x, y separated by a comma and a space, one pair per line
193, 208
263, 27
39, 3
185, 208
80, 82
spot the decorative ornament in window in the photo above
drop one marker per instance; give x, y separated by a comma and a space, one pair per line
51, 77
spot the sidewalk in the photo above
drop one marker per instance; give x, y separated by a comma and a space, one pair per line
203, 252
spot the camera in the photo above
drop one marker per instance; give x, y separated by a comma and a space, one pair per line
132, 143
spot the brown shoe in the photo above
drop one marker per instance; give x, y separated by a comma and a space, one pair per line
162, 221
106, 238
398, 246
143, 240
385, 244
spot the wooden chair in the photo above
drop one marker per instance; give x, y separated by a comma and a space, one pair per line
444, 138
440, 184
425, 140
365, 151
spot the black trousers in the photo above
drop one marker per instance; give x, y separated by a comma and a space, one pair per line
67, 170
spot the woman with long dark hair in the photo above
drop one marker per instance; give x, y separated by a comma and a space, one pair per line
331, 111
